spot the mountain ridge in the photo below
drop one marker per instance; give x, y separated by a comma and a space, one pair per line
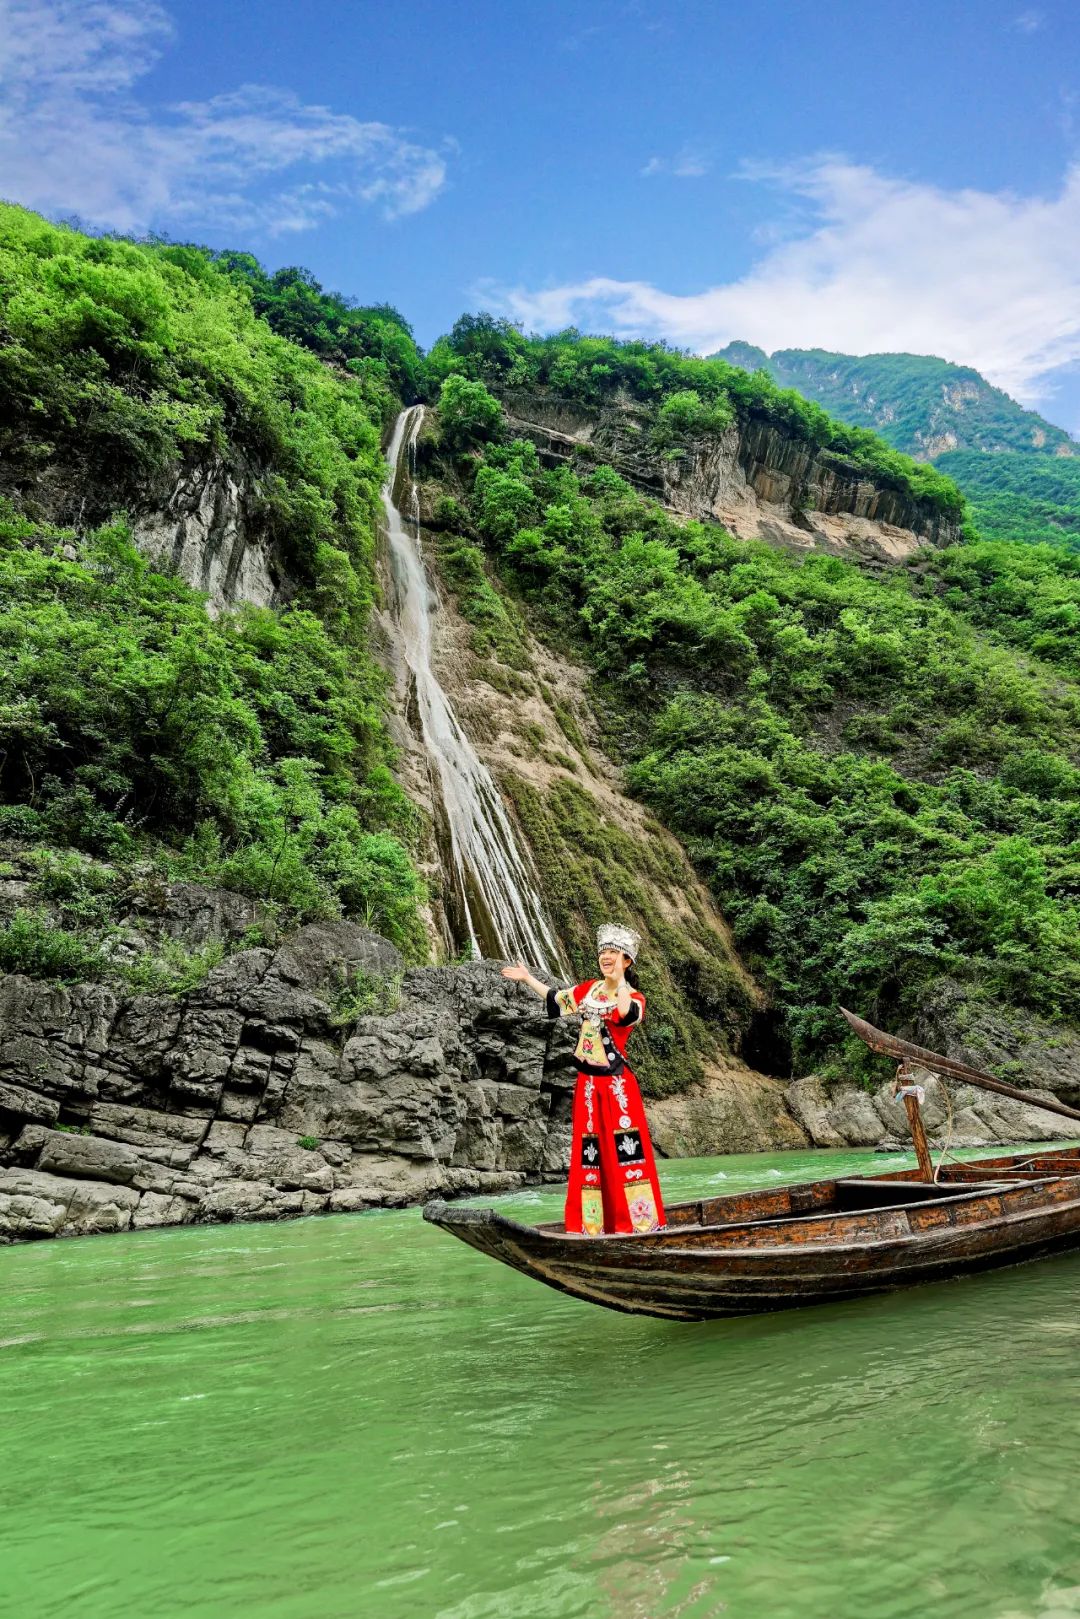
920, 403
1019, 472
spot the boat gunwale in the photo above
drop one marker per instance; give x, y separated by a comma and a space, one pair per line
623, 1244
665, 1276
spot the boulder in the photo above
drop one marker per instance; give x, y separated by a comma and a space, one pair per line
744, 1112
36, 1204
87, 1158
811, 1105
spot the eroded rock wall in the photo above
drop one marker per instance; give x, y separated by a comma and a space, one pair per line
248, 1100
755, 479
208, 520
954, 1115
210, 528
255, 1098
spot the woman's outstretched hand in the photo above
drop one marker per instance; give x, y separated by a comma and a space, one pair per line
519, 973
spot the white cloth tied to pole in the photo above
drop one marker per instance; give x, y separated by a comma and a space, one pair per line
916, 1091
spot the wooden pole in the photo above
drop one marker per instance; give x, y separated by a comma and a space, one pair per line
890, 1046
914, 1114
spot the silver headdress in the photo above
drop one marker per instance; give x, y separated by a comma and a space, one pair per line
611, 936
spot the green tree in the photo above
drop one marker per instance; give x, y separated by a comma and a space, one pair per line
468, 414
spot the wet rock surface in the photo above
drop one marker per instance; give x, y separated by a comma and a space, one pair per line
249, 1099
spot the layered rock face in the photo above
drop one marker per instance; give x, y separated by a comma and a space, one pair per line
246, 1099
206, 520
208, 528
1036, 1057
759, 482
954, 1116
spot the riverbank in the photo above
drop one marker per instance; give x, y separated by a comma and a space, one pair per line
323, 1077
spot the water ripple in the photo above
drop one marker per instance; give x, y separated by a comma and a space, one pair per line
354, 1416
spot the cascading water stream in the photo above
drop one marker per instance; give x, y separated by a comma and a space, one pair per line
500, 908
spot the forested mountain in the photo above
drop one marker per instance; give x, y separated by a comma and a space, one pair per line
922, 405
1020, 472
1031, 498
874, 768
877, 772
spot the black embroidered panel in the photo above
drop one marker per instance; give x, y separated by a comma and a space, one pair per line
616, 1064
590, 1152
628, 1147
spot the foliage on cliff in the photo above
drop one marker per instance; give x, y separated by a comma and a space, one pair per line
244, 751
119, 361
373, 341
248, 751
880, 787
590, 369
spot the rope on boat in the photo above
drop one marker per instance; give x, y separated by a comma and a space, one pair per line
943, 1154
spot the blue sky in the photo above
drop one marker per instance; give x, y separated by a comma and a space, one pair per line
852, 176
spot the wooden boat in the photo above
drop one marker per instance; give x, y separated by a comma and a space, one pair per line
814, 1243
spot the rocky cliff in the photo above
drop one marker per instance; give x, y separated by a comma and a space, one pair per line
206, 519
210, 527
754, 478
262, 1095
252, 1098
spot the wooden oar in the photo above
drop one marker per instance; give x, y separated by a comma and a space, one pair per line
905, 1051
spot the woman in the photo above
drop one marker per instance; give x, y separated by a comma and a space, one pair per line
613, 1185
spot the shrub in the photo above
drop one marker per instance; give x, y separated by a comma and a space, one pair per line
468, 414
30, 944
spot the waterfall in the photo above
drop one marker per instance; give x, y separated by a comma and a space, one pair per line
496, 897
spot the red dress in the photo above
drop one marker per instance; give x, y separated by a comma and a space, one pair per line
613, 1183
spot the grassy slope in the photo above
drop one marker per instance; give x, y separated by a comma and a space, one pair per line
1033, 499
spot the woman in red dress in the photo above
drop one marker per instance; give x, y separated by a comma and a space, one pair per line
613, 1183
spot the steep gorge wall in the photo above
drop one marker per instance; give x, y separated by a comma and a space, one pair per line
597, 853
755, 479
253, 1098
206, 519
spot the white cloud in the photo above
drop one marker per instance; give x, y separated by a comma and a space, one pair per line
687, 164
989, 279
74, 138
1029, 22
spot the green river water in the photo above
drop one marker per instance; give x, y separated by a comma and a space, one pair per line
359, 1418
